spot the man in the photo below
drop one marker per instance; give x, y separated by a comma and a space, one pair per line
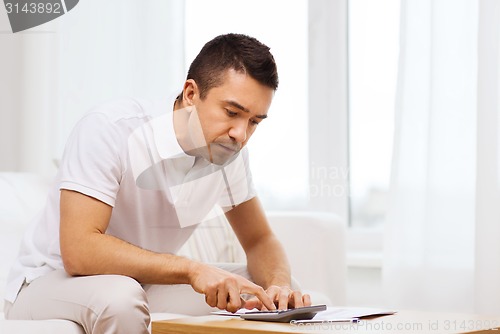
135, 180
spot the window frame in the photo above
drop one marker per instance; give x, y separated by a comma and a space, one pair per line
329, 118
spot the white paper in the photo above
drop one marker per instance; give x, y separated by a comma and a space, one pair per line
333, 313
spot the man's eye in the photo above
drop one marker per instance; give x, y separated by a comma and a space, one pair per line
254, 122
231, 113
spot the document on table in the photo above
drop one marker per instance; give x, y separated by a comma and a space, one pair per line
332, 314
235, 314
353, 314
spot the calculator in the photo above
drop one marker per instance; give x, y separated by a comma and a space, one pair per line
299, 313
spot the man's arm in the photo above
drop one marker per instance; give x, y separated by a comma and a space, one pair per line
266, 260
87, 250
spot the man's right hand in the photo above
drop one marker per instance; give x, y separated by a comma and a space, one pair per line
223, 289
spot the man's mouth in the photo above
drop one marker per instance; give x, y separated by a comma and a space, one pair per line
230, 148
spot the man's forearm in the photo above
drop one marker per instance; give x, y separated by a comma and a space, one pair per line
104, 254
267, 263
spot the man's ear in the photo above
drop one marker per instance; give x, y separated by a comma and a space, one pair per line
190, 92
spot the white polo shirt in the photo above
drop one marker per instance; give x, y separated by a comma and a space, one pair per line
126, 154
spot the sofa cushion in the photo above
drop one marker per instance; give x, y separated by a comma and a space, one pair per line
39, 326
22, 195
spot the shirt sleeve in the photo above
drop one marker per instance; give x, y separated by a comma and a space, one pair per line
92, 163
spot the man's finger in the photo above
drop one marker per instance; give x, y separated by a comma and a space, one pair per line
234, 300
222, 297
296, 299
211, 299
283, 298
307, 300
252, 303
259, 292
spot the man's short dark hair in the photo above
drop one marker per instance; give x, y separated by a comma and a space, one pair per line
239, 52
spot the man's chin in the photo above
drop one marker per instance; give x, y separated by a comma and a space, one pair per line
222, 154
221, 160
214, 156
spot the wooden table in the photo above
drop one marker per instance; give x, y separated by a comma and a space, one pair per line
402, 322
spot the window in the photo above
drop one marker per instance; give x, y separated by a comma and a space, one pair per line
373, 33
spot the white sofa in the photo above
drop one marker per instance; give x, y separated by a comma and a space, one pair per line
314, 243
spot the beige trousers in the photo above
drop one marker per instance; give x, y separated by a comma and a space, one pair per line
106, 303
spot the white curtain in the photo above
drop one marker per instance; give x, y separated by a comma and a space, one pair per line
441, 243
98, 51
487, 247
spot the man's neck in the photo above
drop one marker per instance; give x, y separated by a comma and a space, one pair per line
181, 116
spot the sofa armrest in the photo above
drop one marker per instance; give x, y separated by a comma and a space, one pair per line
315, 245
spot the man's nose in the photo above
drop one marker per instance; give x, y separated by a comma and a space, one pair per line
238, 131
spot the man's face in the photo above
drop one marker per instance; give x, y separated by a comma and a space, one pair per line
230, 113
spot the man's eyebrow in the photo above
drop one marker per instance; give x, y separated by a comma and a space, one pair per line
239, 106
